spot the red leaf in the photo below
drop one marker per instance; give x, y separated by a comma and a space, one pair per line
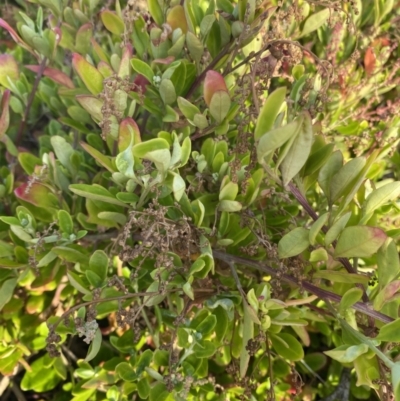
55, 75
15, 36
213, 83
369, 61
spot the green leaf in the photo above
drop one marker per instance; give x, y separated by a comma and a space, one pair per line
315, 21
395, 373
206, 24
269, 112
229, 206
388, 262
220, 105
90, 76
341, 277
63, 151
274, 139
188, 109
65, 222
347, 354
98, 263
6, 291
143, 385
196, 48
142, 68
287, 346
343, 181
381, 196
229, 191
70, 254
336, 229
158, 16
92, 105
390, 332
207, 326
293, 243
158, 392
112, 22
95, 346
125, 371
77, 283
318, 159
95, 192
299, 151
103, 160
388, 292
178, 186
142, 149
41, 378
350, 298
204, 349
318, 255
316, 227
167, 91
188, 290
359, 241
331, 167
125, 161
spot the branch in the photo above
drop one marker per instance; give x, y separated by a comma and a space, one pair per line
319, 292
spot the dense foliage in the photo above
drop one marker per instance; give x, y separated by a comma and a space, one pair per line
199, 200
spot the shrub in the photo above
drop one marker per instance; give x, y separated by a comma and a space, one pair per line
199, 200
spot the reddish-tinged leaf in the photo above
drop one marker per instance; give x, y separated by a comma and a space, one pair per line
15, 36
82, 39
105, 69
54, 74
124, 138
89, 74
125, 65
176, 18
369, 61
92, 105
104, 160
5, 114
213, 82
99, 51
386, 294
36, 194
140, 84
8, 68
112, 22
168, 60
359, 241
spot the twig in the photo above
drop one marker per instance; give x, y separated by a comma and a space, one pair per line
342, 391
31, 98
99, 301
17, 392
319, 292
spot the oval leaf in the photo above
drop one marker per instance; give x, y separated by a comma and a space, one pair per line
359, 241
293, 243
298, 152
269, 112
